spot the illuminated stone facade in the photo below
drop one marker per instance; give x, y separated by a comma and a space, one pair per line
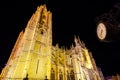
35, 58
113, 77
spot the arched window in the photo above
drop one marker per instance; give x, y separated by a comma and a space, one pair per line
52, 74
60, 75
68, 75
72, 76
42, 32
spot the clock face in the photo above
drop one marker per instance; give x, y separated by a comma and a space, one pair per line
101, 31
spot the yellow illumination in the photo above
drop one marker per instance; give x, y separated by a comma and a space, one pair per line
34, 56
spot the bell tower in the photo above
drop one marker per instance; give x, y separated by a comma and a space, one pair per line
42, 44
31, 55
44, 28
40, 64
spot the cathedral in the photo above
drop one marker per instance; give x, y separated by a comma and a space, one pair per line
34, 57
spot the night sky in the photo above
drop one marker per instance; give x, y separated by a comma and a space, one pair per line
75, 17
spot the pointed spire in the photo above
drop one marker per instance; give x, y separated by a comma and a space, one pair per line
75, 40
57, 45
44, 7
83, 44
79, 41
72, 46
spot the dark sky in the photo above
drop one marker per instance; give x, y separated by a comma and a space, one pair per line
75, 17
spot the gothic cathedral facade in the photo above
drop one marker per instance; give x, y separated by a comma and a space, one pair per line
35, 58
